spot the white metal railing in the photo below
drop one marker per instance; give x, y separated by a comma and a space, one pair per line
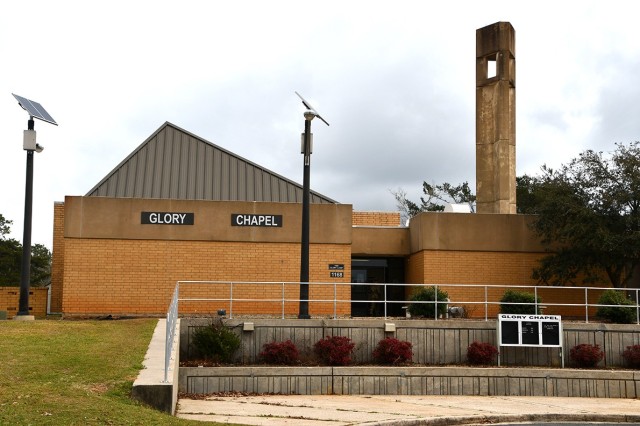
282, 300
229, 299
170, 333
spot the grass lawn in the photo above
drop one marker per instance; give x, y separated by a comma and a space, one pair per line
74, 373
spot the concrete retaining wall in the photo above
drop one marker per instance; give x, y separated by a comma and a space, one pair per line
150, 387
412, 381
442, 342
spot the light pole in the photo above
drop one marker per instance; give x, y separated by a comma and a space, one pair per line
307, 148
30, 145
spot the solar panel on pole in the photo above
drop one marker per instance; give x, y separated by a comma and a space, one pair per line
308, 106
34, 109
29, 144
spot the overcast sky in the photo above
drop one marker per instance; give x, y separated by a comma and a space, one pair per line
395, 81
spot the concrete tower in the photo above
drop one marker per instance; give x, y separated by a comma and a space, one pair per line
496, 119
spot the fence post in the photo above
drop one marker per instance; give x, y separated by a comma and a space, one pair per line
231, 300
335, 300
535, 299
486, 304
283, 285
385, 301
435, 305
586, 305
637, 308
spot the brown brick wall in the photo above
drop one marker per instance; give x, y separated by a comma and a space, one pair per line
376, 218
10, 301
137, 277
57, 262
490, 268
472, 267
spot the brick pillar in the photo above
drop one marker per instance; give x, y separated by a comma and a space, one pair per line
57, 261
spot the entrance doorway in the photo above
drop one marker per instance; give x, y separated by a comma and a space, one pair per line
367, 276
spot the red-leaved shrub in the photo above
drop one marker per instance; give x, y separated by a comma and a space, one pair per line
585, 355
392, 351
479, 353
280, 353
334, 350
632, 356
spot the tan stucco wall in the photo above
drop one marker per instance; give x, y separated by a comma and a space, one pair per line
101, 217
441, 231
370, 241
473, 232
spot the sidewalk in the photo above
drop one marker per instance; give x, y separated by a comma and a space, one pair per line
402, 410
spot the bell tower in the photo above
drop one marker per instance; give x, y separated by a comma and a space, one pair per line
496, 119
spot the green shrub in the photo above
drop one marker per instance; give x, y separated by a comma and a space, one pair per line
392, 351
427, 310
280, 353
479, 353
216, 342
622, 315
510, 297
334, 350
585, 355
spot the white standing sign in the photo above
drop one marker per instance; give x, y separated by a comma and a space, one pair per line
530, 330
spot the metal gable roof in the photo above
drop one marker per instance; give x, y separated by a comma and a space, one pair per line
175, 164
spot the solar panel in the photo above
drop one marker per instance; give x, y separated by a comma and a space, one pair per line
309, 107
34, 109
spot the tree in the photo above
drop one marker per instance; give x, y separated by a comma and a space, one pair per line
10, 255
526, 202
436, 197
5, 227
588, 217
40, 266
407, 208
11, 260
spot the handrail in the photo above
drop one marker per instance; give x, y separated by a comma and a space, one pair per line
172, 312
170, 332
282, 300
